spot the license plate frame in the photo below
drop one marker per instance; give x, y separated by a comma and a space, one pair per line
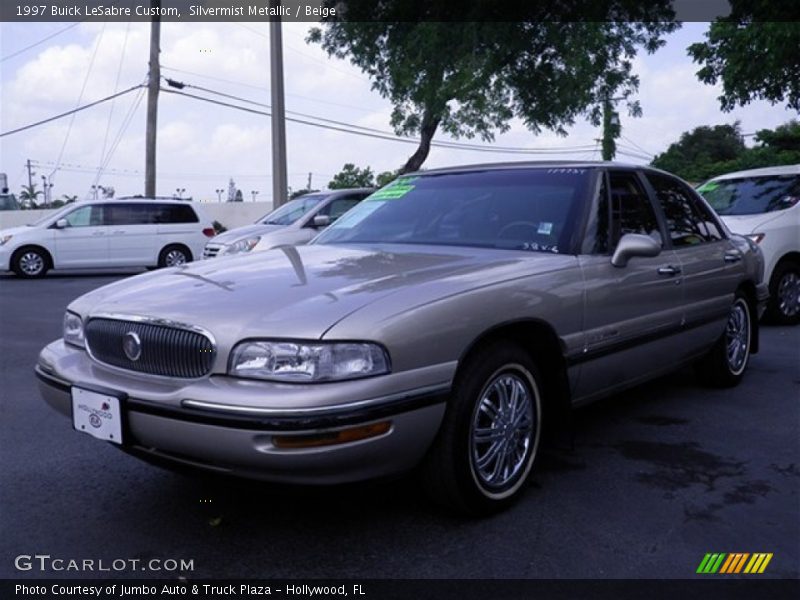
98, 413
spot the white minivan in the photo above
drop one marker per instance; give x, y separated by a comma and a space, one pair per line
125, 232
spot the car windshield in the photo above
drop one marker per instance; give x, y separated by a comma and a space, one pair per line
514, 209
54, 216
292, 210
752, 195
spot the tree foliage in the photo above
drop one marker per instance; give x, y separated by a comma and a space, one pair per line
706, 152
352, 177
297, 193
29, 195
470, 78
754, 53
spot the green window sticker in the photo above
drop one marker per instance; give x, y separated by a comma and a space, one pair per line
397, 189
708, 187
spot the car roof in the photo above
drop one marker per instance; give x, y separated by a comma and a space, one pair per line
533, 164
765, 171
143, 200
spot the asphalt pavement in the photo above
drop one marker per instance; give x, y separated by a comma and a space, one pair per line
656, 478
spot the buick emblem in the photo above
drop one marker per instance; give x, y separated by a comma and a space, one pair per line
132, 346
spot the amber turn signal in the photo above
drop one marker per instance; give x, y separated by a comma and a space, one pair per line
330, 438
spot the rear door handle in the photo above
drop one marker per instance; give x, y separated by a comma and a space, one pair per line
118, 232
732, 257
99, 233
669, 270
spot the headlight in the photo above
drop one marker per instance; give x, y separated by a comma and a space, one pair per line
756, 237
311, 361
5, 238
73, 330
244, 245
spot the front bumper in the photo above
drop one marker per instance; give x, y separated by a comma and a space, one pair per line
201, 424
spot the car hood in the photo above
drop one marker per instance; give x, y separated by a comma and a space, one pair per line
745, 224
16, 230
301, 292
239, 233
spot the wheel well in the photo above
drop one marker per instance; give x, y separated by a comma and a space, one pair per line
791, 257
543, 345
47, 256
183, 247
748, 288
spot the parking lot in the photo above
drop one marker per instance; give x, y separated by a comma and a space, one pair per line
655, 478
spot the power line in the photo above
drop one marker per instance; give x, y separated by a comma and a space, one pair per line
379, 133
70, 112
42, 41
80, 96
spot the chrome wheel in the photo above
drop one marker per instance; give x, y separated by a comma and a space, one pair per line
737, 337
175, 258
504, 431
789, 294
31, 264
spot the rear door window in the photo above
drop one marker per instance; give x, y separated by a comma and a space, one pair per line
688, 220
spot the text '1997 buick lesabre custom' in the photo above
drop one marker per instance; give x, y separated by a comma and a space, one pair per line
441, 323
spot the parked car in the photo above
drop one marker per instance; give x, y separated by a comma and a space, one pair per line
764, 205
9, 202
295, 222
444, 322
108, 233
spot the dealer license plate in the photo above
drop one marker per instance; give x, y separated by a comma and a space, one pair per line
99, 415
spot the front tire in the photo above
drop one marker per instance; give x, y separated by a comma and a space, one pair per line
30, 263
489, 439
174, 256
726, 362
784, 291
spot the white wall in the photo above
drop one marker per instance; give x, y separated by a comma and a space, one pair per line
230, 214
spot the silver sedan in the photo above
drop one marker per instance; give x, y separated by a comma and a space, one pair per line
442, 324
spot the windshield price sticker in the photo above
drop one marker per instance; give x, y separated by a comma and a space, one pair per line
396, 189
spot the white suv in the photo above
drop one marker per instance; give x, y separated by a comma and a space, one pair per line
128, 232
764, 205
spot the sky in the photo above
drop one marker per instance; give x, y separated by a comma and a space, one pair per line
201, 146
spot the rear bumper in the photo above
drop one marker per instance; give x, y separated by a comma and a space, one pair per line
222, 439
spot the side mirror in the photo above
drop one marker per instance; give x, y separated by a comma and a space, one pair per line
61, 224
322, 221
634, 244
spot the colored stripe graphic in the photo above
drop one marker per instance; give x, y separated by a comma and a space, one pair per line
711, 562
758, 563
735, 562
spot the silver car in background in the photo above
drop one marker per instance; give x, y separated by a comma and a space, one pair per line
295, 222
443, 323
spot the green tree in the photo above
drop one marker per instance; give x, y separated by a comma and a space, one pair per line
352, 177
29, 194
238, 197
386, 177
783, 137
67, 199
469, 78
706, 152
754, 52
691, 156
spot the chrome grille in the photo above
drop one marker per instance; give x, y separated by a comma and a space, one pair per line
211, 250
166, 350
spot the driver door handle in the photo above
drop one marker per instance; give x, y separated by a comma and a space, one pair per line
669, 270
732, 257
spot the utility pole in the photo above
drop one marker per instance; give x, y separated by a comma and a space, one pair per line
30, 176
153, 84
279, 181
611, 128
308, 187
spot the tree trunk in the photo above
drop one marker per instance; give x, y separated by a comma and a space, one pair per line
427, 131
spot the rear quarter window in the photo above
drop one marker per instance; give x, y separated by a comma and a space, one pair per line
175, 213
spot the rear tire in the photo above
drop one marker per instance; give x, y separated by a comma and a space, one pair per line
174, 256
489, 438
783, 307
30, 263
726, 362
